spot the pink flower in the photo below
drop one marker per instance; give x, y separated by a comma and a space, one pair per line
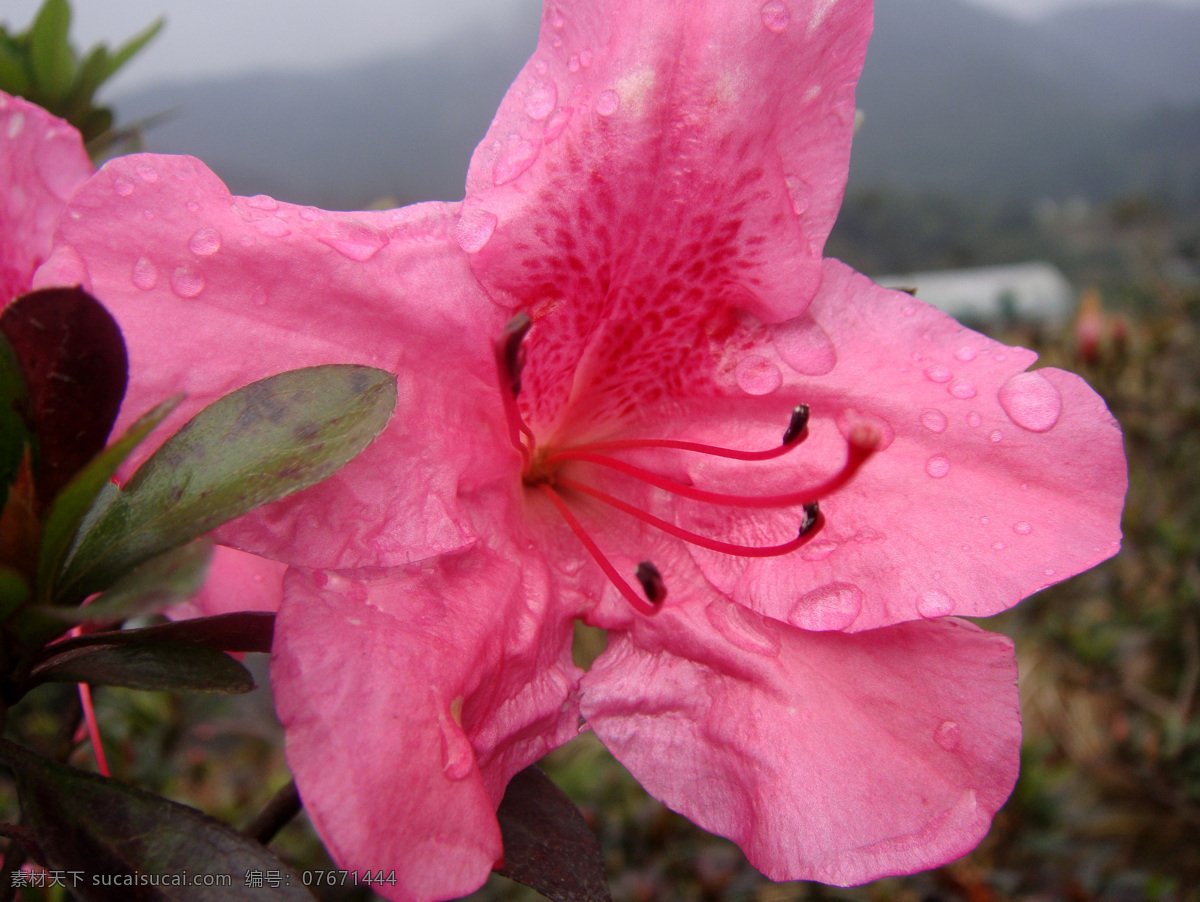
42, 163
654, 194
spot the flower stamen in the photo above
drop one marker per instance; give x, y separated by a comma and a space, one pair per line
509, 349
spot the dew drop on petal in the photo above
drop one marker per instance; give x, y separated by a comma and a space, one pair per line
145, 274
966, 354
187, 281
938, 373
937, 466
122, 187
799, 192
1048, 571
934, 420
573, 63
273, 228
458, 758
586, 57
805, 346
541, 99
985, 520
607, 102
540, 67
934, 603
556, 123
353, 239
998, 546
516, 158
310, 214
1022, 528
205, 242
947, 735
831, 607
974, 420
757, 375
743, 628
1031, 401
909, 309
474, 229
776, 15
962, 389
16, 124
146, 172
55, 161
192, 206
996, 435
262, 202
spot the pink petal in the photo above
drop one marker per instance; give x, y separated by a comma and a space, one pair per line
409, 700
650, 171
42, 162
236, 581
213, 292
825, 756
994, 482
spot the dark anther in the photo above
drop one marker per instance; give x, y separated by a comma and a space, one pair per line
511, 339
812, 514
652, 582
797, 424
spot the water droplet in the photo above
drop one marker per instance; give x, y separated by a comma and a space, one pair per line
998, 546
541, 99
607, 102
938, 373
937, 466
974, 420
586, 57
909, 309
799, 193
1048, 571
934, 420
948, 735
273, 228
556, 123
556, 17
1031, 401
985, 520
145, 274
776, 15
122, 187
805, 346
832, 607
996, 435
474, 229
962, 389
540, 67
16, 124
148, 214
352, 238
205, 242
818, 550
573, 63
187, 281
310, 214
935, 603
1022, 528
516, 158
246, 241
192, 206
966, 354
262, 202
743, 628
1001, 357
757, 375
146, 172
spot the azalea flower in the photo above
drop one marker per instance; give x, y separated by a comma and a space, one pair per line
42, 162
633, 393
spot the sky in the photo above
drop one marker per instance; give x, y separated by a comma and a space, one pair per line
289, 34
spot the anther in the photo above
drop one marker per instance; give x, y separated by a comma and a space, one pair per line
652, 582
510, 350
812, 516
797, 425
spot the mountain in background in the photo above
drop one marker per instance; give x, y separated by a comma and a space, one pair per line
1095, 101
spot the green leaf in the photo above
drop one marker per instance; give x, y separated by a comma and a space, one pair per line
260, 443
126, 51
14, 75
14, 433
158, 666
160, 582
14, 591
75, 501
85, 822
50, 52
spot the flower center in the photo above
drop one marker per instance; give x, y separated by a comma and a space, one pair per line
541, 465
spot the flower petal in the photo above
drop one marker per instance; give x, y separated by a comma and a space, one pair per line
649, 171
994, 482
236, 581
242, 288
44, 163
825, 756
410, 698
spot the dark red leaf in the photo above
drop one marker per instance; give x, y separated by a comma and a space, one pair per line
547, 843
24, 837
73, 358
247, 631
